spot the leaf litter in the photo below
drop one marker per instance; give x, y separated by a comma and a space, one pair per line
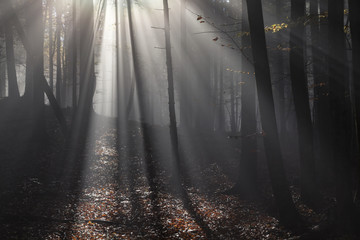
114, 202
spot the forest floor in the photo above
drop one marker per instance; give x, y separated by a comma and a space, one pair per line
109, 198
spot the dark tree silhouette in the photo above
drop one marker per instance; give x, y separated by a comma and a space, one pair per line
354, 8
51, 47
248, 165
340, 115
299, 85
287, 211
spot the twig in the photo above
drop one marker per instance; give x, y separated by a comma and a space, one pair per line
226, 33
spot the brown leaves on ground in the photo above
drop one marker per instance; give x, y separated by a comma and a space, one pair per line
114, 201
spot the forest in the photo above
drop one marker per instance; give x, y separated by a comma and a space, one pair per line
179, 119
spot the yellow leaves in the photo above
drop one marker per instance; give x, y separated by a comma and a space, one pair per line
273, 28
276, 27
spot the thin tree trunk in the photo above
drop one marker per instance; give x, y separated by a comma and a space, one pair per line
58, 52
38, 69
171, 92
232, 105
221, 113
237, 97
321, 104
2, 67
287, 211
118, 103
65, 68
10, 63
215, 94
74, 56
280, 73
51, 55
179, 173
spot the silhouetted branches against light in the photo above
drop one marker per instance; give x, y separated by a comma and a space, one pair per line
223, 32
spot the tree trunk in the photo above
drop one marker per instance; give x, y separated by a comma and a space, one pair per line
183, 85
171, 92
232, 104
81, 123
58, 52
321, 95
87, 66
74, 56
2, 67
287, 211
221, 114
118, 103
237, 96
13, 89
37, 42
150, 164
28, 27
280, 73
51, 51
247, 181
43, 84
299, 85
340, 117
65, 67
354, 7
138, 79
214, 93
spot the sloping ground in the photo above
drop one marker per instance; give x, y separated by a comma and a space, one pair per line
109, 198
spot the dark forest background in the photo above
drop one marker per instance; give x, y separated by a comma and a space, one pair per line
187, 119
